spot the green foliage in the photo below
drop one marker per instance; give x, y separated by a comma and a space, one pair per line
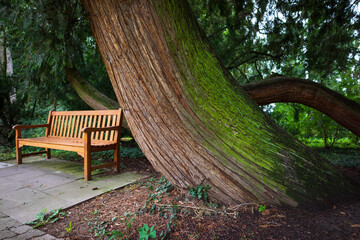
69, 229
146, 233
261, 208
256, 38
99, 228
7, 153
345, 157
200, 192
43, 218
163, 188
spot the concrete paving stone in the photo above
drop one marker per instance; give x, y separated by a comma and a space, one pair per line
75, 192
116, 181
47, 181
6, 234
9, 186
29, 234
8, 204
20, 229
20, 197
5, 165
27, 212
26, 175
60, 167
8, 222
4, 172
46, 237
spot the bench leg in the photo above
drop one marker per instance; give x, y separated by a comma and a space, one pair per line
117, 158
87, 166
18, 155
48, 153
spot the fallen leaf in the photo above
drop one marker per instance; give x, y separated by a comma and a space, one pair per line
265, 226
265, 212
355, 225
342, 213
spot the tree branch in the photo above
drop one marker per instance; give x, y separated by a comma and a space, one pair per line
289, 89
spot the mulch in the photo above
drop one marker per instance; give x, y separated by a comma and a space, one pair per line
195, 219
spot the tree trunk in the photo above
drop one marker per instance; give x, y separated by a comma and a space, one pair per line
190, 119
90, 95
289, 89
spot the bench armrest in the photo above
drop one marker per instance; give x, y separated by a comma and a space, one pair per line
16, 127
100, 129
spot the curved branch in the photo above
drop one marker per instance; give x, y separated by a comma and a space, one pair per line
289, 89
90, 95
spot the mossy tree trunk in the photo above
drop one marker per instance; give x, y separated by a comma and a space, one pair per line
190, 119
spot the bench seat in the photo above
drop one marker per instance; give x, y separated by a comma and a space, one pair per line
63, 142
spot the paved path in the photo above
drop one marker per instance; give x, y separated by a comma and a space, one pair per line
27, 189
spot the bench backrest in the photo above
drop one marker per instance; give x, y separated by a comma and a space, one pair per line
68, 124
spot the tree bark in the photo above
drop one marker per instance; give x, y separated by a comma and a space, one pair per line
192, 121
289, 89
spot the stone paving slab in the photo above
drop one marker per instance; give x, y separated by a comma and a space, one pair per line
27, 189
5, 165
15, 230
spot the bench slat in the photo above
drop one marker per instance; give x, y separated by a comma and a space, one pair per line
86, 112
112, 132
107, 125
98, 125
103, 125
93, 125
53, 126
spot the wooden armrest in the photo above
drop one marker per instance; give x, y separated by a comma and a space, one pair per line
99, 129
30, 126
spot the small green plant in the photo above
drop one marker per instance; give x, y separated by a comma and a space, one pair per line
69, 229
199, 192
127, 221
261, 208
146, 233
42, 218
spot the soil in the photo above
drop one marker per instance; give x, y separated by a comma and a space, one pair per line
154, 202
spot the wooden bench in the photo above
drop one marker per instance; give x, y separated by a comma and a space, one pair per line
83, 132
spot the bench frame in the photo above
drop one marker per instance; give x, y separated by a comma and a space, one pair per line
106, 137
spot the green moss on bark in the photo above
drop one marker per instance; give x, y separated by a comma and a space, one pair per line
234, 129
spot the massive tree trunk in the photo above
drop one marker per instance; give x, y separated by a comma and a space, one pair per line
190, 119
289, 89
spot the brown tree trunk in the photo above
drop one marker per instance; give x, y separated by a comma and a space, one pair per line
190, 120
289, 89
